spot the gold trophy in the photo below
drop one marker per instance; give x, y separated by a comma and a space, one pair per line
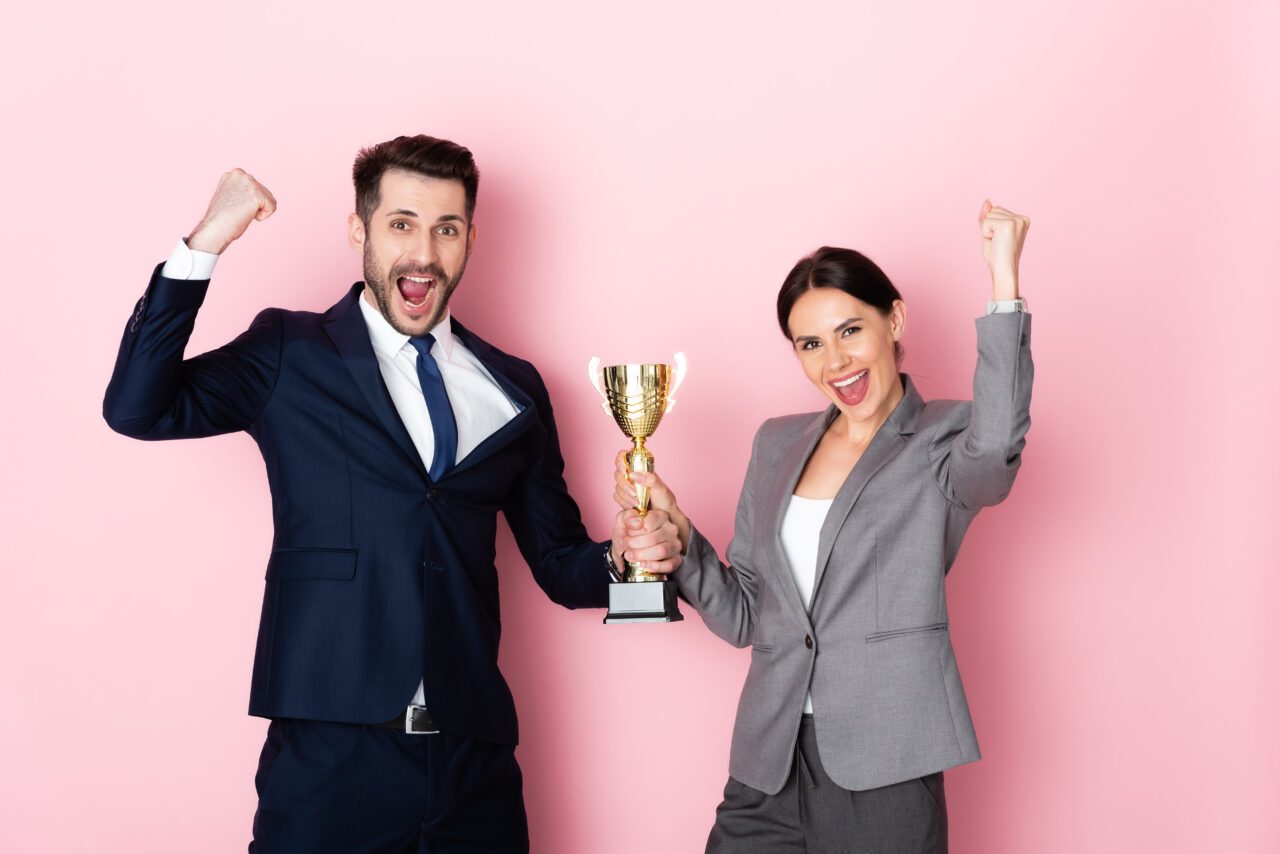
637, 396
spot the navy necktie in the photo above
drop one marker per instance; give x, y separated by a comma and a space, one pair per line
443, 423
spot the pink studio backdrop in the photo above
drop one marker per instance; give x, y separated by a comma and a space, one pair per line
1114, 618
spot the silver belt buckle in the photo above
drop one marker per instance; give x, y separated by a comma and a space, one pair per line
408, 722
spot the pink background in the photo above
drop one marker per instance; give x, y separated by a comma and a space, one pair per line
649, 177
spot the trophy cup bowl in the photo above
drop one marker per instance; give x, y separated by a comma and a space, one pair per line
637, 396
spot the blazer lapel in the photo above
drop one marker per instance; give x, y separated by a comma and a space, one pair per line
885, 445
774, 506
349, 334
507, 433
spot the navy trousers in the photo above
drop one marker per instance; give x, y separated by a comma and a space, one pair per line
345, 788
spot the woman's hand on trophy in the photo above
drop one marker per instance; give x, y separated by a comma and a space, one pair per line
1003, 233
652, 541
660, 496
623, 492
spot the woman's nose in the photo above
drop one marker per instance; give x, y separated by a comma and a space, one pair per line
836, 359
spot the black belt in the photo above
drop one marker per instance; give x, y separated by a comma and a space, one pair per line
416, 720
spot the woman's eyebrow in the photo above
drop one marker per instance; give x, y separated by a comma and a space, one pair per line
847, 324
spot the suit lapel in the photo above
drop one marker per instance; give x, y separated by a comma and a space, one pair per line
346, 328
507, 433
888, 442
775, 503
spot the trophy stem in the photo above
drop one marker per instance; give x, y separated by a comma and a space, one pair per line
640, 458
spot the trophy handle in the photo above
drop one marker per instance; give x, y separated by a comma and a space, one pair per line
593, 374
682, 368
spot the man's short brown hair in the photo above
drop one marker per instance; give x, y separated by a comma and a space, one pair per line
422, 155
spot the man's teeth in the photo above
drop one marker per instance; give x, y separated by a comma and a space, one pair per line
421, 281
853, 379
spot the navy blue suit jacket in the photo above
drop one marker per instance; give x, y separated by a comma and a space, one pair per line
378, 577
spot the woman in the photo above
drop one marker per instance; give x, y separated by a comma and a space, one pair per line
847, 524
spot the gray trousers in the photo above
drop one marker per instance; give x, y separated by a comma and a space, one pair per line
812, 815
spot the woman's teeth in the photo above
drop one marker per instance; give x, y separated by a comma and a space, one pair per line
853, 379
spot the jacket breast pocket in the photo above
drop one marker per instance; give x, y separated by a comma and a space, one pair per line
312, 564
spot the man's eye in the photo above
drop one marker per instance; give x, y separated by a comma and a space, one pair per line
400, 225
448, 230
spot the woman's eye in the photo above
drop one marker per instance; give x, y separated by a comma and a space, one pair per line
850, 331
809, 345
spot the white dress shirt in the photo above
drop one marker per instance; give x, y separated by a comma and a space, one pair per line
480, 406
801, 525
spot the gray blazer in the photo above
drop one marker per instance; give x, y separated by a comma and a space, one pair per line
874, 647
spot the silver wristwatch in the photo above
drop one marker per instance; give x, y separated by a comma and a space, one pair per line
613, 567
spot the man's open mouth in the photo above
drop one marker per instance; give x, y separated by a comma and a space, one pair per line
416, 291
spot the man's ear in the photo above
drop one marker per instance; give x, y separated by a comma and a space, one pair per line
355, 232
471, 239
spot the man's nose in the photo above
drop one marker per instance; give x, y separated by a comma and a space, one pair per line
424, 251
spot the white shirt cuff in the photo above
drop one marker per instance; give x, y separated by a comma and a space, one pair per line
1005, 306
187, 263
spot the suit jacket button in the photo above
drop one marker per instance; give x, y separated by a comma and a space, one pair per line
431, 495
808, 642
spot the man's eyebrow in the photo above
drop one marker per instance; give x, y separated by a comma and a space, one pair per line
414, 214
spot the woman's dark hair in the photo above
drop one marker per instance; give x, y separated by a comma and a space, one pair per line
842, 269
422, 155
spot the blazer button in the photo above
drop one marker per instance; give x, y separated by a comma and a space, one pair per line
431, 494
808, 642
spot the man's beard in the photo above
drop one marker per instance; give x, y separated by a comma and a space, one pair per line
385, 290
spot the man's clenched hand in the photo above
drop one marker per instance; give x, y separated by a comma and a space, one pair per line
238, 201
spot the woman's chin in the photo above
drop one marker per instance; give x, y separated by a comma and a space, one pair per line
870, 408
859, 412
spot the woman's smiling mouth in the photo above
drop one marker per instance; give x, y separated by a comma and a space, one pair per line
852, 388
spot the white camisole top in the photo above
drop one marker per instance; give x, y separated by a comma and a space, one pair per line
801, 525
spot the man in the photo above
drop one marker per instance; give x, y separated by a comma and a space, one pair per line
392, 436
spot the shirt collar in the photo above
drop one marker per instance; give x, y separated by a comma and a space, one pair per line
388, 342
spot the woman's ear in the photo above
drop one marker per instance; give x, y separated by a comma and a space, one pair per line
898, 319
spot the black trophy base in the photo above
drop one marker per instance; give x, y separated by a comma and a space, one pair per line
643, 602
